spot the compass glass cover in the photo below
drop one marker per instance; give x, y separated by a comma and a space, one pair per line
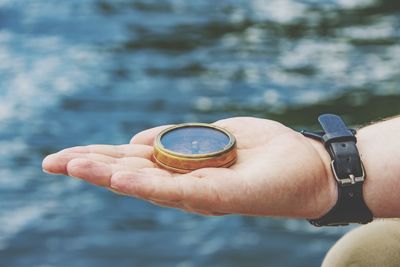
195, 140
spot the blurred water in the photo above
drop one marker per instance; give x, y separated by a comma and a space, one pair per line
98, 71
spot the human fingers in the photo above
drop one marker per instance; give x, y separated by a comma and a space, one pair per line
116, 151
56, 163
147, 137
100, 173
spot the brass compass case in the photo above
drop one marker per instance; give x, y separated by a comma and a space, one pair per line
186, 147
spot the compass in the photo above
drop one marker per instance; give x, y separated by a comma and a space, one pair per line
186, 147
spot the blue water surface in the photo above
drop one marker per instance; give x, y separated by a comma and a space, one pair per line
98, 71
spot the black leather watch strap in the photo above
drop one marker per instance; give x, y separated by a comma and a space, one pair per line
348, 171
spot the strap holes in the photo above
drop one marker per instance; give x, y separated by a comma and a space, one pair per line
348, 159
343, 145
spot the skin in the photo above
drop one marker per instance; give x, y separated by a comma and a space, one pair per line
279, 172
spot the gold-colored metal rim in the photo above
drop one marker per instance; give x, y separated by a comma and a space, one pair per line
174, 169
184, 163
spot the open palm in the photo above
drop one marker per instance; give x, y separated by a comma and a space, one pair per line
278, 173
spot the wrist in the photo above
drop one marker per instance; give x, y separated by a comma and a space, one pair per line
326, 195
361, 194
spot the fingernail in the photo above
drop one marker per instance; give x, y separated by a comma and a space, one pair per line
48, 172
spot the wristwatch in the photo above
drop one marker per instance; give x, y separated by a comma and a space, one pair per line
347, 170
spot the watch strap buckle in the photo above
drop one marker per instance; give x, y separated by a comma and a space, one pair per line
351, 180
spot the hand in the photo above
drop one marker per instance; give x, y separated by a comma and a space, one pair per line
278, 172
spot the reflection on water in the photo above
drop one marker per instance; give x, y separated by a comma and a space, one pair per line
97, 71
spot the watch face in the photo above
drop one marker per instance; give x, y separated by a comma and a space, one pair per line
194, 140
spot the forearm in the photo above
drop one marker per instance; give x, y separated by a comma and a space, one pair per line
379, 147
